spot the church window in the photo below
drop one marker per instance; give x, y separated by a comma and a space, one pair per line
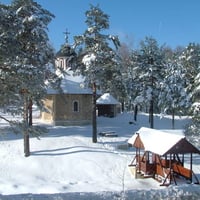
61, 63
76, 106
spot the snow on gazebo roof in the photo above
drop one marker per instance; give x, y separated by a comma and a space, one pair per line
71, 84
161, 142
107, 99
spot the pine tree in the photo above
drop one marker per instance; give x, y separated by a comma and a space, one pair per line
195, 126
29, 63
191, 62
196, 104
149, 71
190, 59
98, 56
127, 64
173, 98
8, 50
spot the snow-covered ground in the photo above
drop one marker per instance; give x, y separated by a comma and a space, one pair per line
65, 164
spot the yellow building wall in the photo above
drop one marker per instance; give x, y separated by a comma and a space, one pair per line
62, 110
48, 114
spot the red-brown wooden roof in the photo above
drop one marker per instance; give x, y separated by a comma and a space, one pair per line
161, 142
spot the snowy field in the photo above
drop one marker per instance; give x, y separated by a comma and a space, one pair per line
66, 165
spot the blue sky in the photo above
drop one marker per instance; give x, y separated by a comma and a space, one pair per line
170, 22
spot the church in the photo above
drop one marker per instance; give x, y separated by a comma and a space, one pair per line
73, 105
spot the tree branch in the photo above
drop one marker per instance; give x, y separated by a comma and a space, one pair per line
1, 117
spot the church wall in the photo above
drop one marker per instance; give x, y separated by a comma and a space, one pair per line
62, 110
49, 105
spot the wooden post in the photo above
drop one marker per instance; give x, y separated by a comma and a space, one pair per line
183, 159
170, 168
139, 159
191, 167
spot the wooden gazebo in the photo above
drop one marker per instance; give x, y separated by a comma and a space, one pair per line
161, 155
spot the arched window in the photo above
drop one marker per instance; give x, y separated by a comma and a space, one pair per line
61, 63
75, 106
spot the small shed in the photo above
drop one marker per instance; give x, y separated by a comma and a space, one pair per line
161, 155
108, 106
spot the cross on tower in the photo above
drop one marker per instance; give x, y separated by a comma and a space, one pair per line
66, 33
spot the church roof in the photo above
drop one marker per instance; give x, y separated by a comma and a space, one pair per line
71, 84
66, 51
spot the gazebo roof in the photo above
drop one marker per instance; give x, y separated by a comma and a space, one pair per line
161, 142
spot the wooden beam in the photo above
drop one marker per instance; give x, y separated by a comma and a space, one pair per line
191, 167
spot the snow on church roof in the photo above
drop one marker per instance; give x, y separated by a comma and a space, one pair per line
107, 99
156, 141
71, 84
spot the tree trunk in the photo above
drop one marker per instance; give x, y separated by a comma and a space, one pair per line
26, 134
173, 121
94, 117
151, 120
151, 61
135, 112
26, 144
30, 113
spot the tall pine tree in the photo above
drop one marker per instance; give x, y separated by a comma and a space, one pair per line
150, 72
30, 60
97, 55
191, 61
173, 98
8, 51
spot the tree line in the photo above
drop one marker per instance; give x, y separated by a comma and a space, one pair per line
163, 79
154, 77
